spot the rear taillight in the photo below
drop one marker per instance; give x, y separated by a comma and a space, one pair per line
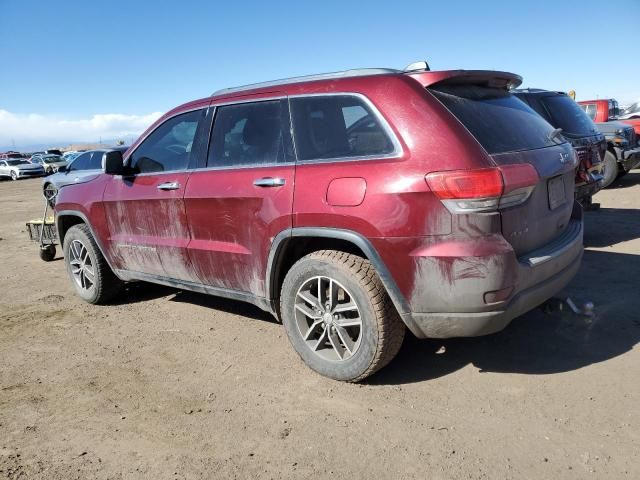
485, 189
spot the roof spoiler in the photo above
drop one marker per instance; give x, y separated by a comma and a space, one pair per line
485, 78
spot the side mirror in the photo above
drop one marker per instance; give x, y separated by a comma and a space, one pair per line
112, 162
62, 169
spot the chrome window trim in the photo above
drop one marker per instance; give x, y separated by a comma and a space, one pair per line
245, 167
141, 141
397, 146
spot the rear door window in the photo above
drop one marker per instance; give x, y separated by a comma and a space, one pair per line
337, 126
250, 134
498, 120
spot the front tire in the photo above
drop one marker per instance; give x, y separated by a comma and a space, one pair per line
87, 268
610, 168
338, 315
14, 175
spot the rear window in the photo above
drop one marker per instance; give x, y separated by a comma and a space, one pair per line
567, 115
590, 109
498, 120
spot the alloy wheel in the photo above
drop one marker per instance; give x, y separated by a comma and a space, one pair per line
81, 265
328, 318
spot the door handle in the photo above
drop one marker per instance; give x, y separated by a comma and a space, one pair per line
269, 182
168, 186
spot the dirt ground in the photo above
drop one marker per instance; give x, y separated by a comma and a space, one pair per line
169, 384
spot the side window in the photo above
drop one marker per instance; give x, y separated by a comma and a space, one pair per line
81, 162
168, 147
337, 126
249, 134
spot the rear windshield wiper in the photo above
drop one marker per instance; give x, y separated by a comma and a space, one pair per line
555, 134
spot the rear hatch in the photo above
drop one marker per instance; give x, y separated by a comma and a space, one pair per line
512, 133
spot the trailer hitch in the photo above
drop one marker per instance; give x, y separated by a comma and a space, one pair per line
558, 305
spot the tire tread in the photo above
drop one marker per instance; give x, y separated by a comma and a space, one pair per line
107, 285
391, 329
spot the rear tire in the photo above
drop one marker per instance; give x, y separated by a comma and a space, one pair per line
610, 169
354, 329
87, 268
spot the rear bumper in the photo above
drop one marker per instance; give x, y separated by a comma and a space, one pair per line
528, 282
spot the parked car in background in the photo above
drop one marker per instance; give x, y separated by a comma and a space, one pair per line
50, 163
623, 149
590, 145
432, 200
85, 167
11, 155
17, 168
69, 156
632, 112
53, 151
607, 110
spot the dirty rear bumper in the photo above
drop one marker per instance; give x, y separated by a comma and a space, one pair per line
538, 276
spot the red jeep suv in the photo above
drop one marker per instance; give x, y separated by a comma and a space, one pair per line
349, 205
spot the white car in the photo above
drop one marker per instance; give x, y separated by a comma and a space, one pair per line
50, 163
20, 168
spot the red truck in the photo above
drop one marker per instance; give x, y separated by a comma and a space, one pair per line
607, 110
623, 147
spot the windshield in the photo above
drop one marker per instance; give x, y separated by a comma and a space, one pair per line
17, 162
567, 115
498, 120
14, 155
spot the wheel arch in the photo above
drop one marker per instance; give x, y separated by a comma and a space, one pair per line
292, 244
66, 219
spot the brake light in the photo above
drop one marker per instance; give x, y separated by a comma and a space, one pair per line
466, 184
485, 189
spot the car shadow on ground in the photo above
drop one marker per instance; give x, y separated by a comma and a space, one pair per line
628, 180
608, 226
539, 343
223, 304
136, 292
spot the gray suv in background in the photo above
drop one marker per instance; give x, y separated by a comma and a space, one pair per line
83, 168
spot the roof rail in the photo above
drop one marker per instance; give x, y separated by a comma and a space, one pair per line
360, 72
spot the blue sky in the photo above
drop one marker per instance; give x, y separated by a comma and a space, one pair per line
68, 61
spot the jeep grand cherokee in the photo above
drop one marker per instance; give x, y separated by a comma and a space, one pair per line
352, 206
